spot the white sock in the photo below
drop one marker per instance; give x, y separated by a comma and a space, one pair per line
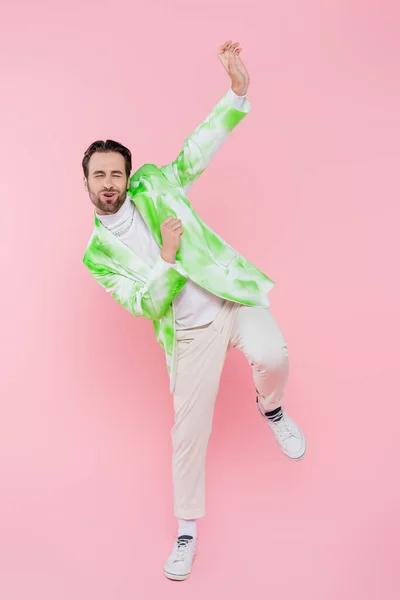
187, 527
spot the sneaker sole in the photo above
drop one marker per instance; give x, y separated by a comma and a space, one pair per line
174, 577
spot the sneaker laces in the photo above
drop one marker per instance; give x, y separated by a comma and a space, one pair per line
181, 545
282, 428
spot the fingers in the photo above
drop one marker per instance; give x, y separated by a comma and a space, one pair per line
225, 46
168, 221
172, 224
230, 47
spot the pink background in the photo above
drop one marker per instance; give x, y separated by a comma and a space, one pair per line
307, 187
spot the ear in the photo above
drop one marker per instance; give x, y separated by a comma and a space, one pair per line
85, 183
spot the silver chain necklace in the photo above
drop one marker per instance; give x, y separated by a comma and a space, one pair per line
122, 231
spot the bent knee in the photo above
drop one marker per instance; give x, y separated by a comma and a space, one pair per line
271, 359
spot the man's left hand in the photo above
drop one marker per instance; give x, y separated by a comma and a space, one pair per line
229, 55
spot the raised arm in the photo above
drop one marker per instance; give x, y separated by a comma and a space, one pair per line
199, 148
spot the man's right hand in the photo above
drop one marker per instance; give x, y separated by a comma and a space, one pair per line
171, 231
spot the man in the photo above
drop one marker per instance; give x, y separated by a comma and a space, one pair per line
158, 259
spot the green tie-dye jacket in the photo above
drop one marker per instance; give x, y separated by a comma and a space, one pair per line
203, 256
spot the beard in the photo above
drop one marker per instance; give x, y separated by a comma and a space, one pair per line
108, 207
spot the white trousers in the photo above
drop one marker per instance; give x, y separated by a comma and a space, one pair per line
200, 358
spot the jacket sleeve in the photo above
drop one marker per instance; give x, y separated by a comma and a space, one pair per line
199, 148
151, 299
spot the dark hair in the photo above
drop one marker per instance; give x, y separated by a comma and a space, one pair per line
107, 146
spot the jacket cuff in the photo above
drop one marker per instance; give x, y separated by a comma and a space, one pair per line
164, 269
177, 266
236, 101
239, 103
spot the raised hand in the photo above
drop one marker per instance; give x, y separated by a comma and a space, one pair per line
229, 55
171, 231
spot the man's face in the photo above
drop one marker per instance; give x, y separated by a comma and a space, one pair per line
107, 182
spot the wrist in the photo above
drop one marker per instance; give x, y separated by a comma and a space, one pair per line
168, 256
239, 90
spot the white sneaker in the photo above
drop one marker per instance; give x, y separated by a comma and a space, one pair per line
289, 436
179, 563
